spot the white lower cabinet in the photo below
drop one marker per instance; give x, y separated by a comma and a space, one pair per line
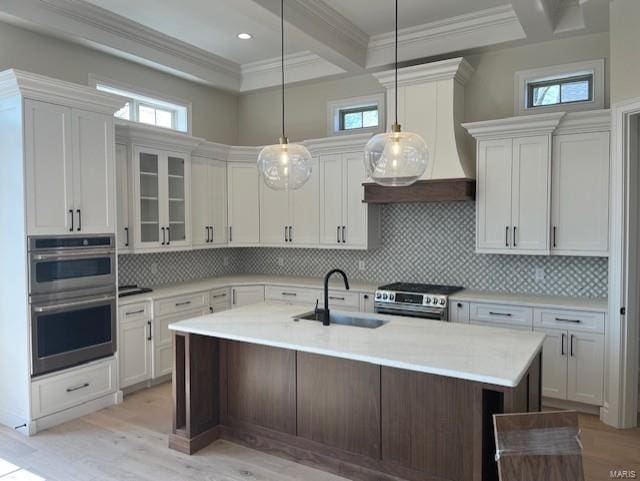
135, 344
246, 295
366, 302
501, 315
585, 371
554, 364
219, 300
459, 312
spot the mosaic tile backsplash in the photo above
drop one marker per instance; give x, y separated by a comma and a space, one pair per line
429, 242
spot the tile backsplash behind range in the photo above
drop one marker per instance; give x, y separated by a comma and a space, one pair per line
428, 242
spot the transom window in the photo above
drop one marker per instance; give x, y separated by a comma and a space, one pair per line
356, 115
577, 88
149, 110
359, 118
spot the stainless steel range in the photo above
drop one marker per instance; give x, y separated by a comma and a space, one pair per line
426, 301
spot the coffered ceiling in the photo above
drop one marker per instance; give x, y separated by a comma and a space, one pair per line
197, 39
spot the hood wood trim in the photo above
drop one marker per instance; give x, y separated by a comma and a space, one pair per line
434, 190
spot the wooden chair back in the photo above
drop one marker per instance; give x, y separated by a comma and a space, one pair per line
542, 446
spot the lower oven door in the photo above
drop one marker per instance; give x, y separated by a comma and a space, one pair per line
436, 314
71, 332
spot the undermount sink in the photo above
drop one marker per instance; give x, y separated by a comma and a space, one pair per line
342, 319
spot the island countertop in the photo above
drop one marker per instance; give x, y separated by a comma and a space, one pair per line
475, 353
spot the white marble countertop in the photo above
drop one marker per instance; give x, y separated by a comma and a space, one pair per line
551, 302
475, 353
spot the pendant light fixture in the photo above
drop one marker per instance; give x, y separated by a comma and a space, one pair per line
396, 158
284, 166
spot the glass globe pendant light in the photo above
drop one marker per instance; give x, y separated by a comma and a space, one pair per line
396, 158
284, 166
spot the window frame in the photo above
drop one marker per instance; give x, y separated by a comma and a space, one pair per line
337, 108
531, 86
342, 113
559, 74
177, 107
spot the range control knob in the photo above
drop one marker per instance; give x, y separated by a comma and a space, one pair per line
378, 295
392, 296
442, 302
385, 296
427, 300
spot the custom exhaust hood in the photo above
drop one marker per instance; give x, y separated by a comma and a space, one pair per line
431, 104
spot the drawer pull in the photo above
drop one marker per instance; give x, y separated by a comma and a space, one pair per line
571, 345
564, 337
502, 314
185, 303
218, 296
291, 294
77, 388
133, 313
573, 321
336, 298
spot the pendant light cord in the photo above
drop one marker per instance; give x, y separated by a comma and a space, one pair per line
396, 62
282, 58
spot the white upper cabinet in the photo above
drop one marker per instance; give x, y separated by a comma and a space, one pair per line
290, 218
208, 202
580, 194
123, 233
49, 169
330, 199
70, 170
243, 203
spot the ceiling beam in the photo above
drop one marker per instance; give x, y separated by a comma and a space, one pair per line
330, 35
537, 17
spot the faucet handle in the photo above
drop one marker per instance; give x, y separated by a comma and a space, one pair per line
316, 310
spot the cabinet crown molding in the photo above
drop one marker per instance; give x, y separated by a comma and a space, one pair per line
542, 124
585, 122
150, 136
212, 150
241, 154
38, 87
452, 69
337, 144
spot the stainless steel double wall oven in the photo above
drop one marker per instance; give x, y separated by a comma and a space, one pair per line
73, 300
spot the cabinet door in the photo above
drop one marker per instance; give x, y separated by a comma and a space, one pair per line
200, 203
459, 312
147, 203
134, 352
354, 211
554, 363
94, 172
494, 195
178, 200
586, 368
580, 199
244, 204
218, 201
274, 216
49, 168
123, 233
530, 195
245, 295
304, 210
331, 199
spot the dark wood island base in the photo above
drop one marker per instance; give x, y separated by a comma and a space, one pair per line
354, 419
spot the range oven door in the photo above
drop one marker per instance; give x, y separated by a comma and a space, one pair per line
70, 332
436, 314
64, 271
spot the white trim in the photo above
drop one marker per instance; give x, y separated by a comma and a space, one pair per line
337, 145
621, 389
478, 29
524, 77
335, 106
542, 124
155, 137
585, 122
451, 69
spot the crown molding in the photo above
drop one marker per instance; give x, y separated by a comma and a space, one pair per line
156, 137
99, 28
299, 67
239, 153
541, 124
337, 144
38, 87
479, 29
212, 150
585, 122
450, 69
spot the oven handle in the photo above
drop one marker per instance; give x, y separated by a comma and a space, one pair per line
71, 255
66, 305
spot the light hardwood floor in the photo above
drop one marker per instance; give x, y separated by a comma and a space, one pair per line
129, 442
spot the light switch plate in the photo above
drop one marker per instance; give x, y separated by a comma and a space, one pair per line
361, 265
539, 274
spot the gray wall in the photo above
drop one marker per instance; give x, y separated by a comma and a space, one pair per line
625, 49
214, 111
489, 93
420, 242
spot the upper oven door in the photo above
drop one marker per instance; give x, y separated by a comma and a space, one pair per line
51, 272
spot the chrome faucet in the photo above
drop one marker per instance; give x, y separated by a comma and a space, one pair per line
326, 320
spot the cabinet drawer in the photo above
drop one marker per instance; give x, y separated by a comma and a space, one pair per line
68, 389
184, 303
292, 295
501, 314
566, 319
135, 312
219, 299
342, 300
162, 335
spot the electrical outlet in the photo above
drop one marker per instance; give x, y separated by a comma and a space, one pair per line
154, 268
361, 265
225, 261
539, 274
281, 261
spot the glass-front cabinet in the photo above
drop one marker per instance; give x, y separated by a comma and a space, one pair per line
162, 205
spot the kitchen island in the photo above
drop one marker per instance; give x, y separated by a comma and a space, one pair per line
412, 399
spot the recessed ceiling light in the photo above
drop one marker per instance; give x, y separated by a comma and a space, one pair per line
245, 36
